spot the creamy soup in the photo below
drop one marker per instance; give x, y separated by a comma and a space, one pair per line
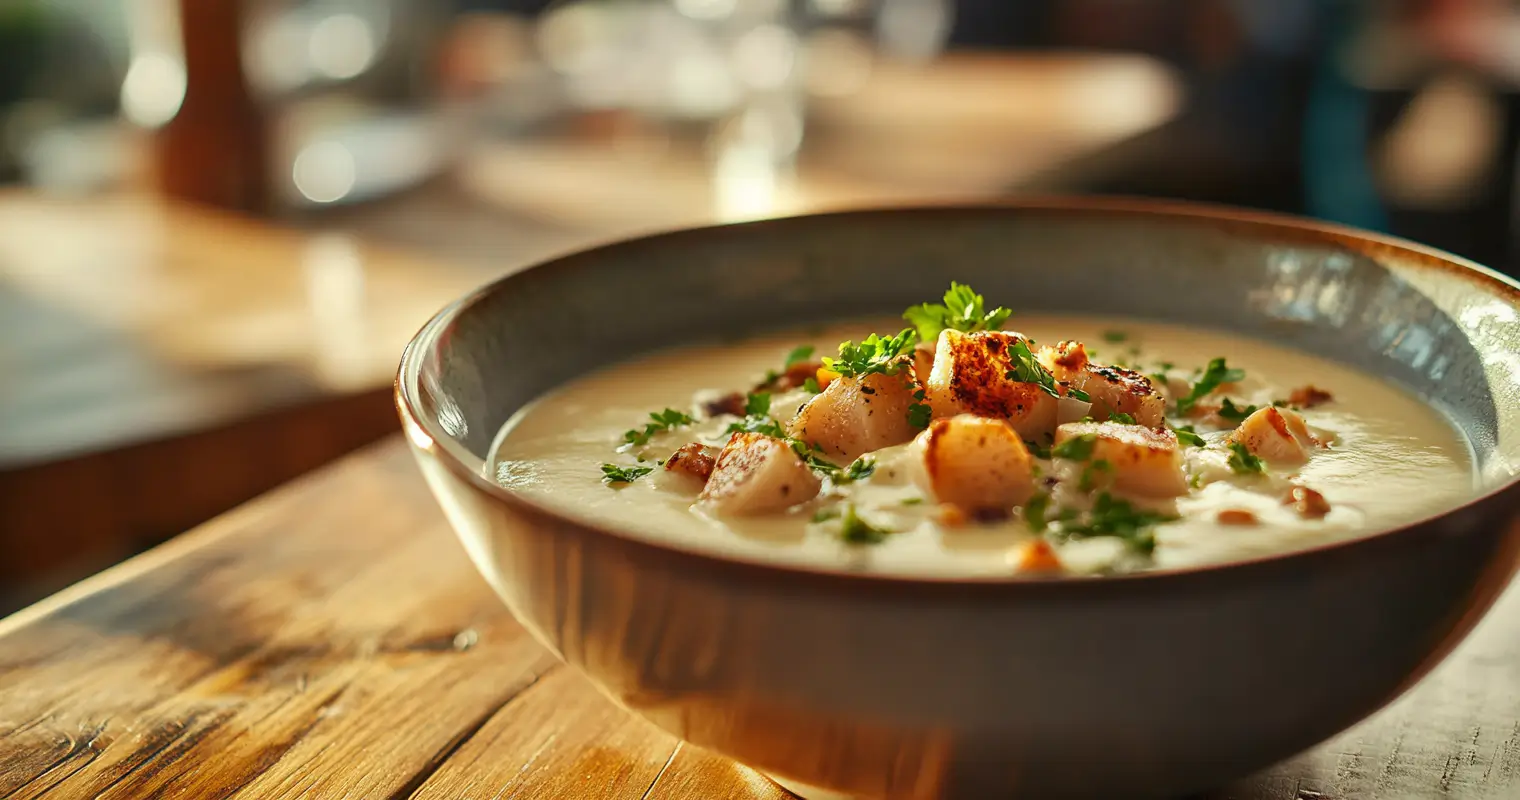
1035, 444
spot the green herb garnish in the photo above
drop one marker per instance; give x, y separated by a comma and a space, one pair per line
1215, 375
811, 385
1244, 462
614, 474
963, 310
1092, 473
798, 355
859, 469
758, 423
855, 530
1037, 450
660, 421
1077, 448
1228, 410
874, 355
1115, 337
919, 412
1187, 436
758, 404
809, 455
825, 514
1028, 369
912, 501
1121, 418
1078, 394
1111, 516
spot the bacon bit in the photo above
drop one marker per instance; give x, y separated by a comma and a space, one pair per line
727, 404
950, 515
1038, 556
1309, 396
1236, 516
795, 375
694, 459
1308, 503
991, 514
825, 377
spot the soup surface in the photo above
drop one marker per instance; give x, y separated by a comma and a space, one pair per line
1199, 448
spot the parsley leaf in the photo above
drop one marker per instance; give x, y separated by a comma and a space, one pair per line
1111, 516
919, 412
855, 530
1035, 510
1028, 369
811, 385
612, 474
873, 355
758, 423
1243, 462
963, 310
1215, 375
1187, 436
825, 514
798, 356
809, 455
1115, 337
1122, 418
1093, 473
912, 501
859, 469
1077, 448
1037, 450
661, 421
1078, 394
758, 404
1228, 410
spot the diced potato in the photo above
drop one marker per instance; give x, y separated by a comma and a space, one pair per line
854, 416
693, 460
975, 463
1144, 461
970, 377
1275, 435
757, 474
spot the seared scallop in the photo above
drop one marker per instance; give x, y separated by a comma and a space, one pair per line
854, 416
1112, 389
1275, 435
976, 373
1144, 461
975, 463
757, 474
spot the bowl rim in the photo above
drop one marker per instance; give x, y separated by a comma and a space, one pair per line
1220, 217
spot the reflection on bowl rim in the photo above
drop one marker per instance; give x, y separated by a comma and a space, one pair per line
1282, 226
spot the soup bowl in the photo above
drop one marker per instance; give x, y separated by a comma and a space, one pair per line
845, 684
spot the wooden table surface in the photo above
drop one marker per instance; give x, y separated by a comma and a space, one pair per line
330, 640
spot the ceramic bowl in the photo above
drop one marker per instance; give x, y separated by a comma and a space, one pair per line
884, 687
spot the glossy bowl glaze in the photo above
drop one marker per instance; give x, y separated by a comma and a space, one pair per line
882, 687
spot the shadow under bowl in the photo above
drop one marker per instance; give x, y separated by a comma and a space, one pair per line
885, 687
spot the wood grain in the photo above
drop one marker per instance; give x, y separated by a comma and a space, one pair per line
331, 640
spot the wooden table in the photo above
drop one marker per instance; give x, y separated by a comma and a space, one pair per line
330, 640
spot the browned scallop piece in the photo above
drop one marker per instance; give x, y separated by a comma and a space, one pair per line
1275, 435
970, 376
1112, 389
1039, 557
1235, 516
1309, 396
854, 416
1145, 461
978, 464
694, 459
1307, 502
757, 474
1065, 360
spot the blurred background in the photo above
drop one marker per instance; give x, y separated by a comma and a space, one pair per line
220, 220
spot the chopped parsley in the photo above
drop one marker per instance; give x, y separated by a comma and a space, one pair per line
859, 469
1214, 376
1244, 462
919, 412
811, 385
1093, 473
912, 501
874, 355
1035, 510
1111, 516
1115, 337
1187, 436
825, 514
963, 310
758, 423
757, 404
1077, 448
1078, 394
1122, 418
809, 455
1037, 450
1028, 369
798, 355
855, 530
1228, 410
660, 421
614, 474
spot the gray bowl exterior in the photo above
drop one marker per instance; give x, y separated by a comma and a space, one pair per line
1153, 684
